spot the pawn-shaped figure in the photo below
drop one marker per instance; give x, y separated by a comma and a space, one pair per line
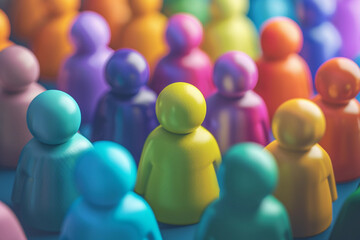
44, 190
236, 113
10, 228
338, 83
306, 184
51, 44
230, 29
126, 114
322, 41
4, 31
19, 72
246, 209
177, 170
283, 74
82, 75
146, 30
186, 62
108, 208
198, 8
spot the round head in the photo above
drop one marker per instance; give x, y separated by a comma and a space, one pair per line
105, 174
58, 7
140, 7
247, 174
298, 124
180, 108
315, 12
18, 68
234, 74
4, 26
228, 8
184, 33
90, 32
126, 72
338, 80
280, 37
53, 117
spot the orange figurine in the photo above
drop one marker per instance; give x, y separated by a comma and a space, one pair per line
338, 83
306, 183
51, 44
4, 31
283, 74
146, 30
116, 12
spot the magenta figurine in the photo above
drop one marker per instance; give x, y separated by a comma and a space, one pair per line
236, 113
19, 72
186, 62
10, 228
82, 75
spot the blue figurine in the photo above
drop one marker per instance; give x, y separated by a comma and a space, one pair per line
44, 189
126, 114
246, 209
322, 41
108, 208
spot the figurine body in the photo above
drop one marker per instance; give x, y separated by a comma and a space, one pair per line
10, 227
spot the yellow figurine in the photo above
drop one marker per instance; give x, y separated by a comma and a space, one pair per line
230, 29
146, 30
306, 184
177, 168
4, 31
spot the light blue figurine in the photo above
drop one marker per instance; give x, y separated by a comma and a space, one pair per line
43, 189
108, 208
246, 209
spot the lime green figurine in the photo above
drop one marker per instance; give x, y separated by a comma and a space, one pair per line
246, 209
177, 169
198, 8
230, 29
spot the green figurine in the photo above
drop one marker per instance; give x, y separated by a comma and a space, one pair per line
198, 8
246, 209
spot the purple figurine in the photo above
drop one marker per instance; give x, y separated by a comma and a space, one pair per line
236, 113
82, 75
126, 114
19, 72
347, 21
186, 62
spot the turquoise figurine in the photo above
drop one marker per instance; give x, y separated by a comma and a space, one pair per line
246, 209
108, 208
44, 189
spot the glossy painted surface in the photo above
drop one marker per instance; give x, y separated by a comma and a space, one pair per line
5, 31
236, 113
126, 113
243, 211
44, 189
306, 184
185, 61
177, 167
19, 72
108, 208
199, 8
283, 74
230, 29
338, 83
10, 227
82, 74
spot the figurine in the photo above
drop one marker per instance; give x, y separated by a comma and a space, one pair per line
4, 31
199, 8
10, 228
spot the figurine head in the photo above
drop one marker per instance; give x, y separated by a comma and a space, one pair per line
314, 12
59, 7
184, 33
280, 37
127, 72
90, 32
298, 124
140, 7
338, 80
4, 26
180, 108
105, 174
247, 174
19, 68
53, 117
234, 74
228, 8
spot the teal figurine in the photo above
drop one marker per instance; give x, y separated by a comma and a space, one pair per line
44, 189
108, 208
246, 209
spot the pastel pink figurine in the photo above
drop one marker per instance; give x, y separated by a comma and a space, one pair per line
19, 72
10, 228
186, 62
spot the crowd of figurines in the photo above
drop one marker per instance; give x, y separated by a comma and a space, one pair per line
152, 118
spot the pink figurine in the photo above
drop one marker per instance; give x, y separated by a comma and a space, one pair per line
186, 62
10, 228
19, 71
